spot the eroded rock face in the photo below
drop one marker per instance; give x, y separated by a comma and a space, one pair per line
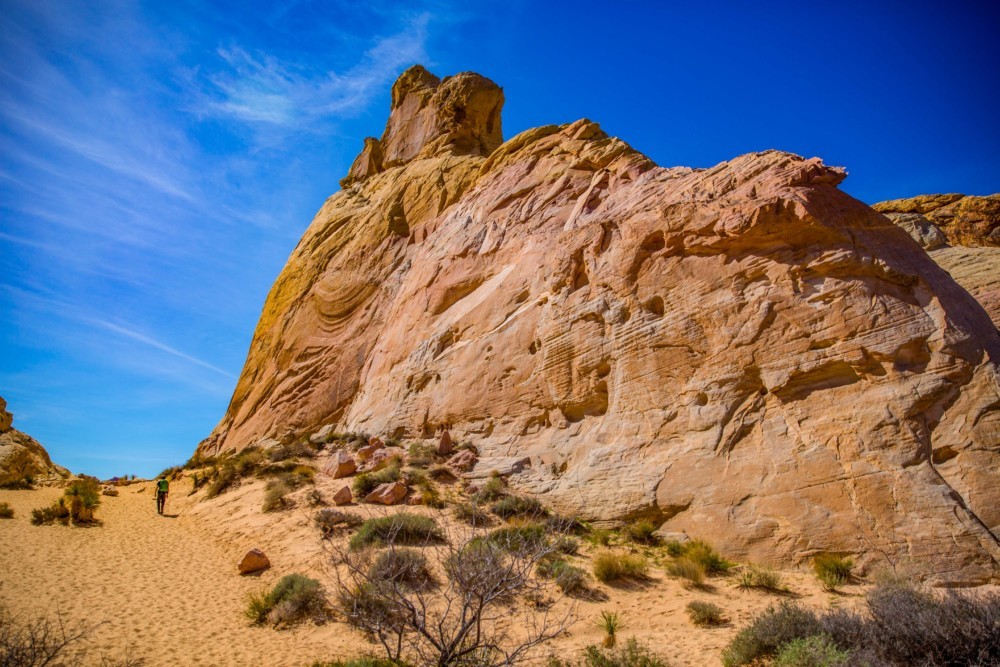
21, 456
962, 234
744, 353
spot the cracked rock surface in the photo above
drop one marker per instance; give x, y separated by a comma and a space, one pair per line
744, 353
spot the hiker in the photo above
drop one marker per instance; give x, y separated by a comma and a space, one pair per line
162, 489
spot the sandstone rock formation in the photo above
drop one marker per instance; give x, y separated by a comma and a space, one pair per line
254, 561
21, 456
962, 234
743, 353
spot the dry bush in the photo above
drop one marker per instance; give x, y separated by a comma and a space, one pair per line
518, 506
518, 538
38, 641
6, 511
570, 579
816, 651
611, 566
493, 489
763, 578
295, 597
406, 567
703, 554
442, 473
420, 455
223, 479
474, 616
565, 525
367, 482
403, 528
274, 496
643, 532
472, 514
687, 569
632, 654
329, 521
705, 613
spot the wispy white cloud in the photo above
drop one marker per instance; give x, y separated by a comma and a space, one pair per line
258, 88
163, 347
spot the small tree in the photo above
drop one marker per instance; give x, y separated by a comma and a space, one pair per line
466, 619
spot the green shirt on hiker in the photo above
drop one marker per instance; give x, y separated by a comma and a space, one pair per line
162, 486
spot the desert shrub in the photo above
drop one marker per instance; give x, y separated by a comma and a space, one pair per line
402, 528
26, 483
6, 511
611, 622
703, 554
407, 567
84, 496
367, 482
674, 548
632, 654
274, 495
527, 537
329, 521
493, 489
293, 598
566, 525
570, 579
611, 566
248, 461
294, 450
420, 455
687, 569
815, 651
58, 510
755, 576
441, 473
705, 613
223, 480
39, 641
316, 498
643, 532
600, 537
832, 570
198, 480
518, 506
429, 495
768, 632
472, 514
565, 544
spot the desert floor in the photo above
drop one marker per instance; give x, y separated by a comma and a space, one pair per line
167, 587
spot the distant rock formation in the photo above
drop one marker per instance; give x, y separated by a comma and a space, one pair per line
21, 456
743, 353
962, 234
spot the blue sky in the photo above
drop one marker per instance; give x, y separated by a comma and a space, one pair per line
159, 160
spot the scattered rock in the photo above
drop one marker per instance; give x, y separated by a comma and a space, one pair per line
463, 461
109, 490
254, 561
322, 436
670, 536
445, 446
375, 442
341, 465
343, 497
366, 452
390, 493
381, 457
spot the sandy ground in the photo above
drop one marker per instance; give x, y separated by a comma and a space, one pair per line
168, 586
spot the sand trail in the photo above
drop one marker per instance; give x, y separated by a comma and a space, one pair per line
161, 585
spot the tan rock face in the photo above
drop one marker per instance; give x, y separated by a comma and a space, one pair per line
744, 353
341, 465
390, 493
972, 225
21, 456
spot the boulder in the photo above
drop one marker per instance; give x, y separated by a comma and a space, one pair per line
322, 436
254, 561
6, 418
22, 457
364, 453
109, 490
463, 461
445, 446
390, 493
380, 458
343, 497
503, 465
341, 464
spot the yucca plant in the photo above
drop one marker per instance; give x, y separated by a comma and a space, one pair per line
611, 622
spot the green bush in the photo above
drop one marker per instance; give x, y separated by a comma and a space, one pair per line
518, 506
611, 566
84, 496
420, 455
832, 570
6, 511
768, 632
674, 548
362, 662
329, 521
815, 651
402, 528
600, 537
643, 532
570, 579
565, 544
566, 525
59, 510
407, 567
703, 554
633, 654
764, 578
705, 613
527, 537
367, 482
472, 514
689, 570
293, 598
493, 489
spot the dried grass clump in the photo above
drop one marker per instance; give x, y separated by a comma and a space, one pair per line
6, 511
612, 566
295, 597
832, 570
402, 528
705, 613
689, 570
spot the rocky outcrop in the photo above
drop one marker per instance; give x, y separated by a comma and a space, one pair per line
962, 234
21, 456
743, 353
